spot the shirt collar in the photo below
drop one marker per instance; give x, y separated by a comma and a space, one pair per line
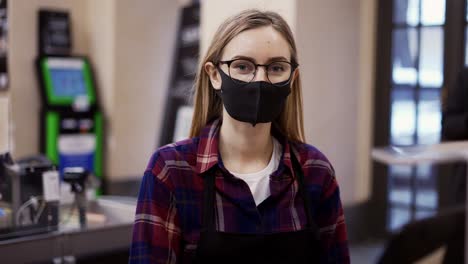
207, 153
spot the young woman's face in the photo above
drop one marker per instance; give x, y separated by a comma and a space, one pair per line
260, 45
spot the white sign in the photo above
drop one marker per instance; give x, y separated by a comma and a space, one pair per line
51, 186
4, 124
183, 123
77, 144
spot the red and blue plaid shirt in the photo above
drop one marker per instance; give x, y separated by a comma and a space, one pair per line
169, 210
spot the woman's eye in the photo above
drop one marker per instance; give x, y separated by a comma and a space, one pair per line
277, 68
243, 67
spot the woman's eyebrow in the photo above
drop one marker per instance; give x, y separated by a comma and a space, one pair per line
279, 58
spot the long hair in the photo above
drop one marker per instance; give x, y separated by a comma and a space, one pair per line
207, 105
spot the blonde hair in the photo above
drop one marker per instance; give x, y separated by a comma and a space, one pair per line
207, 105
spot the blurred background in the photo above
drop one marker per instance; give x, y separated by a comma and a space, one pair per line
373, 73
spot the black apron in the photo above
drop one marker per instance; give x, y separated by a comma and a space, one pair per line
300, 246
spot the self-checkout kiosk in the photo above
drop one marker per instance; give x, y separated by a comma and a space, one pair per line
71, 133
72, 124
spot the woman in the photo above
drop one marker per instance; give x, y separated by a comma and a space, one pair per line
245, 188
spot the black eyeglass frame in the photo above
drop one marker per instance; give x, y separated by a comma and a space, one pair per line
294, 66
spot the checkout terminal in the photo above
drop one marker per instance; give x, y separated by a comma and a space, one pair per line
71, 122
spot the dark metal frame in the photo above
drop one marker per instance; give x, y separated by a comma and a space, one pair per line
454, 57
381, 127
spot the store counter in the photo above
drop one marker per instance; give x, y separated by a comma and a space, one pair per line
109, 229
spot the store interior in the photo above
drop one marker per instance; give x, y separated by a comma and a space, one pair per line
374, 75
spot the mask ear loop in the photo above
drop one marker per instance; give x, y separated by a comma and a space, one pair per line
220, 90
218, 68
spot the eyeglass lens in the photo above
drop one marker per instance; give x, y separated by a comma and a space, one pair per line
244, 70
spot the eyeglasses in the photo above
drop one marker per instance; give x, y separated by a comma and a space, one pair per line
243, 71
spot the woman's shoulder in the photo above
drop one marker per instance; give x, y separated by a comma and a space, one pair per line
314, 162
309, 152
179, 153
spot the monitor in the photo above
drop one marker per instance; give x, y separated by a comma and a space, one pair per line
65, 79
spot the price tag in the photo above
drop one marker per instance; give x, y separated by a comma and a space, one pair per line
51, 186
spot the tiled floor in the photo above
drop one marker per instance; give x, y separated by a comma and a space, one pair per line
370, 251
366, 252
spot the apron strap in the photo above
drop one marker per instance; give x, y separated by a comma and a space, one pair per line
208, 204
300, 178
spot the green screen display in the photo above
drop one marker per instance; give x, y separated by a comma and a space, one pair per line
65, 79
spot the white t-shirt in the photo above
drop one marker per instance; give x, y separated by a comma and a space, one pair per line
259, 182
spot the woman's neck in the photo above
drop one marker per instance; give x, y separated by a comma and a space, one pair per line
243, 147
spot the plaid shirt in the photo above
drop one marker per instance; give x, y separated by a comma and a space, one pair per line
170, 203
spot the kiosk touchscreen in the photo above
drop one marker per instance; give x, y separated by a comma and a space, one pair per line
66, 80
72, 124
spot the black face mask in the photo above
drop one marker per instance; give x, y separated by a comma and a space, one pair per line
254, 102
